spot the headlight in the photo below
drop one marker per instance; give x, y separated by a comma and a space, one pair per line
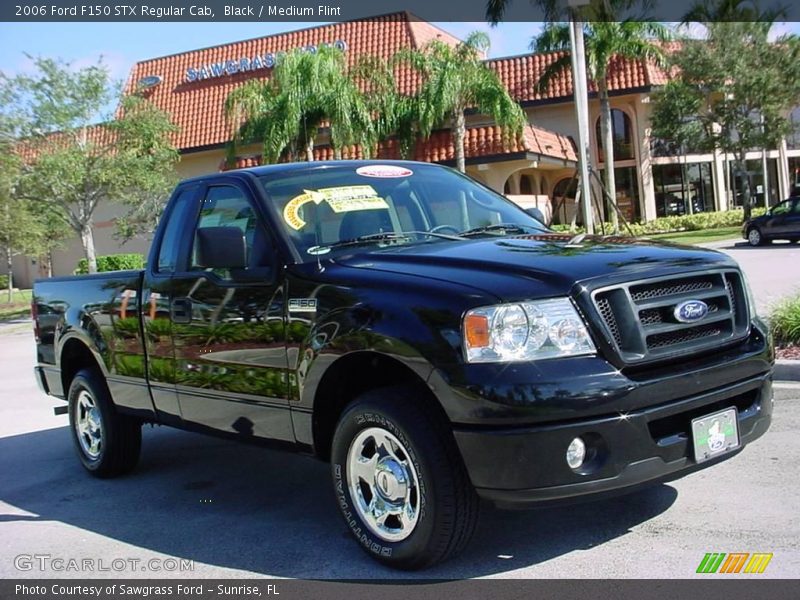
751, 299
525, 331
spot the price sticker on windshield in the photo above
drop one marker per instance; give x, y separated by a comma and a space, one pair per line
340, 199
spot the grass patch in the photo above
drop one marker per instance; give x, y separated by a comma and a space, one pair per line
785, 322
699, 237
19, 307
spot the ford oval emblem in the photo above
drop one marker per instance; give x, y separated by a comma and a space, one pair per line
690, 311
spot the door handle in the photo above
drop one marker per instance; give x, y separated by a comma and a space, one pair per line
180, 310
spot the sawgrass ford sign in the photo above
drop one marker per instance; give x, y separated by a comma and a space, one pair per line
246, 63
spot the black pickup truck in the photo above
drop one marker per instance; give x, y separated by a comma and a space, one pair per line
431, 340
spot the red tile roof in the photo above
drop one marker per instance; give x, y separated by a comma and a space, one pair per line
480, 142
197, 107
520, 74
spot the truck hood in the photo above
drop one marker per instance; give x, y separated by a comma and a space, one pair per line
507, 267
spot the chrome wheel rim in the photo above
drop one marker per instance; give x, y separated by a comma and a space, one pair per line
754, 236
383, 484
88, 425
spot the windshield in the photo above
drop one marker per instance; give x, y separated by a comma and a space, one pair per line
330, 208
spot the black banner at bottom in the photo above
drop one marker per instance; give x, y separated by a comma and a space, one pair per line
411, 589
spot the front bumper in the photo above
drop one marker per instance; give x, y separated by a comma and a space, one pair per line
514, 468
513, 436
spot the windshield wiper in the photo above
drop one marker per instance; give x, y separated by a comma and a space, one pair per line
498, 229
374, 238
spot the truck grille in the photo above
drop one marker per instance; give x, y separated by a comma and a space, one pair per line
639, 317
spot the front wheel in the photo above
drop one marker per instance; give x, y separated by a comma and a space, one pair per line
108, 443
400, 482
754, 237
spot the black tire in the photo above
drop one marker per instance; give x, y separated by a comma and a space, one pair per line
755, 237
447, 504
120, 436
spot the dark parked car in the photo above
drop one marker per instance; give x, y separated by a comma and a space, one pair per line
781, 222
430, 339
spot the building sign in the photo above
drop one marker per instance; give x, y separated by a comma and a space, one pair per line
247, 63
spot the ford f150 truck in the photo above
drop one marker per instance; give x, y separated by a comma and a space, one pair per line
430, 339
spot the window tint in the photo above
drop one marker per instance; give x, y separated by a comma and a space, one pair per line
796, 209
170, 241
227, 206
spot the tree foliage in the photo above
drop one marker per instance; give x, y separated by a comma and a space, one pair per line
731, 91
75, 155
305, 91
455, 79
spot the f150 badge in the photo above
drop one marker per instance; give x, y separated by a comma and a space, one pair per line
302, 305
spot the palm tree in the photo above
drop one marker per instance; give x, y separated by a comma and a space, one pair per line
739, 11
305, 91
604, 40
454, 80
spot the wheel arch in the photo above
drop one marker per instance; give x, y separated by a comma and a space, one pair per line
350, 376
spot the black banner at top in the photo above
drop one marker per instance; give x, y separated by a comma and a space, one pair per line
345, 10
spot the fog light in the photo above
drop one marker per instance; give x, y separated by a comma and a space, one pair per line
576, 453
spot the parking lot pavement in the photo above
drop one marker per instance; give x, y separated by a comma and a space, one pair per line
239, 511
773, 270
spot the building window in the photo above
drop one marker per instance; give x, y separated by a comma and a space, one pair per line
622, 132
794, 175
627, 196
793, 138
756, 173
681, 188
525, 186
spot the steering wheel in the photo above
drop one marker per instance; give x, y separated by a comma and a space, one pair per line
443, 228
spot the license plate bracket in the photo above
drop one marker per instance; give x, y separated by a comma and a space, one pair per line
715, 434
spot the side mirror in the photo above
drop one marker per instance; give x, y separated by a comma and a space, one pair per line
536, 214
220, 248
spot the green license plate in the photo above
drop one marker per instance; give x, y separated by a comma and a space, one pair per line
715, 434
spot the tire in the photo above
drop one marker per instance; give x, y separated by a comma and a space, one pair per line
754, 237
108, 444
424, 474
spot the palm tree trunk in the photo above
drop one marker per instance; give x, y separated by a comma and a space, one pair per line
10, 271
310, 149
459, 132
607, 134
87, 239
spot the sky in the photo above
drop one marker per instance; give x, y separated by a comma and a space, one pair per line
123, 44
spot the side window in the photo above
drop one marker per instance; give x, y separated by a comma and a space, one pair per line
170, 241
796, 209
227, 206
782, 208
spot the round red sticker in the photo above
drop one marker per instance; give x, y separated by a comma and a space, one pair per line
384, 171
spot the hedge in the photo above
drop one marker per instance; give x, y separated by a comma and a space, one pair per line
785, 322
695, 222
113, 262
3, 282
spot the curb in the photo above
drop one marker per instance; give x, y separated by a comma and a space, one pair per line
786, 370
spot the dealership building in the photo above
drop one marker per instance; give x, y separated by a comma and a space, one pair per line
653, 178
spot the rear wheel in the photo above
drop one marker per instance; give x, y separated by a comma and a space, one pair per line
400, 481
108, 444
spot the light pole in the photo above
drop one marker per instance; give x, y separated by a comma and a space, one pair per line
580, 93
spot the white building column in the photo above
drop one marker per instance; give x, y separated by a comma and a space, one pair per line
783, 172
647, 189
720, 178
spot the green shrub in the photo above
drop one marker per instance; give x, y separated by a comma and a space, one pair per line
696, 222
113, 262
785, 322
3, 282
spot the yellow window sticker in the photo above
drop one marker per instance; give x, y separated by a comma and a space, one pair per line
340, 199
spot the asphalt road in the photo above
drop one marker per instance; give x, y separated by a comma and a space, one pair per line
238, 511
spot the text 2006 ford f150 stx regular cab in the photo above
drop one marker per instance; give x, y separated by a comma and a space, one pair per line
430, 339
